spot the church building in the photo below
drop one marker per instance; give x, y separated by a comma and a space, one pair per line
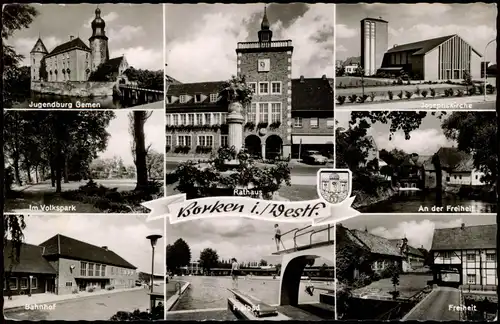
74, 60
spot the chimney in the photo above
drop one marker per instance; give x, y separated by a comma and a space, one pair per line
301, 79
323, 77
71, 37
463, 225
104, 248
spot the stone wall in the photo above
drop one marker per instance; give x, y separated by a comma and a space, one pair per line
74, 88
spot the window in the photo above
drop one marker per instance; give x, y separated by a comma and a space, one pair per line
206, 140
83, 269
69, 284
208, 119
183, 119
446, 255
168, 119
491, 257
184, 140
297, 122
34, 283
476, 177
460, 177
253, 86
223, 118
182, 99
263, 88
191, 119
199, 119
314, 122
252, 113
197, 97
97, 270
103, 270
455, 177
176, 119
276, 87
217, 118
91, 270
276, 112
471, 257
471, 279
263, 112
24, 283
168, 140
330, 123
213, 97
224, 140
13, 284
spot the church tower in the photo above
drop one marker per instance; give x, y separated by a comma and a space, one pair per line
98, 41
267, 66
36, 57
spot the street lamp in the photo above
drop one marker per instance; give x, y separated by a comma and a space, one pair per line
484, 64
154, 239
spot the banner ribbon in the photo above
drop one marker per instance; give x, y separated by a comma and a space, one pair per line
317, 212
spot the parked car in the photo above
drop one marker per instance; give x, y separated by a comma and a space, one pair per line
314, 157
138, 283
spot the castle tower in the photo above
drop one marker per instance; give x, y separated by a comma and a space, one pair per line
267, 67
36, 56
98, 41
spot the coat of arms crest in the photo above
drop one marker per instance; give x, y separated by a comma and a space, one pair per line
334, 185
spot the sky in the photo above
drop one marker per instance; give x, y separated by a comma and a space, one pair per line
201, 39
426, 140
474, 22
418, 229
133, 30
247, 240
122, 234
120, 139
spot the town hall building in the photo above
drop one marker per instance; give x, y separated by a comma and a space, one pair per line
74, 60
286, 115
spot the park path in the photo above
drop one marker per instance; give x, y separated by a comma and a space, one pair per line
436, 306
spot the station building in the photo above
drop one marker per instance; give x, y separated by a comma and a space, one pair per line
286, 115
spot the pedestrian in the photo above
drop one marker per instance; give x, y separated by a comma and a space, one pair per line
235, 271
277, 237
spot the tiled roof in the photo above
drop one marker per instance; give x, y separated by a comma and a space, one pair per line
449, 157
205, 88
415, 160
114, 63
352, 60
420, 47
411, 250
312, 94
171, 80
466, 165
466, 238
376, 244
31, 259
74, 43
67, 247
39, 44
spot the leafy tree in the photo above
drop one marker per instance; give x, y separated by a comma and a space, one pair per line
178, 255
154, 162
16, 80
263, 263
13, 225
236, 89
208, 259
339, 71
146, 79
394, 270
42, 73
104, 73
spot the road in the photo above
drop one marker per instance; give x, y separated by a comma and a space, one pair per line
101, 307
436, 306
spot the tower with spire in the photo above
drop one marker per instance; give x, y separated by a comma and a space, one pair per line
267, 66
37, 55
98, 41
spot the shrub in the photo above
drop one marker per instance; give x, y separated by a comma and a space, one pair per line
433, 92
75, 291
353, 98
390, 95
250, 126
460, 93
424, 93
490, 89
275, 125
450, 92
372, 96
472, 91
341, 99
400, 95
480, 90
400, 81
90, 290
408, 94
417, 91
376, 277
362, 98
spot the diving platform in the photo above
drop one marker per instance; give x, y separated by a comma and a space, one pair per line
304, 247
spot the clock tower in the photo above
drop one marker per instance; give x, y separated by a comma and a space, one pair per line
267, 67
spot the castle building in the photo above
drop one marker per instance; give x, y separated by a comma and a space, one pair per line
286, 115
74, 60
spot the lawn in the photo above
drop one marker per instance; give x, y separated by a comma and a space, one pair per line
409, 285
352, 81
